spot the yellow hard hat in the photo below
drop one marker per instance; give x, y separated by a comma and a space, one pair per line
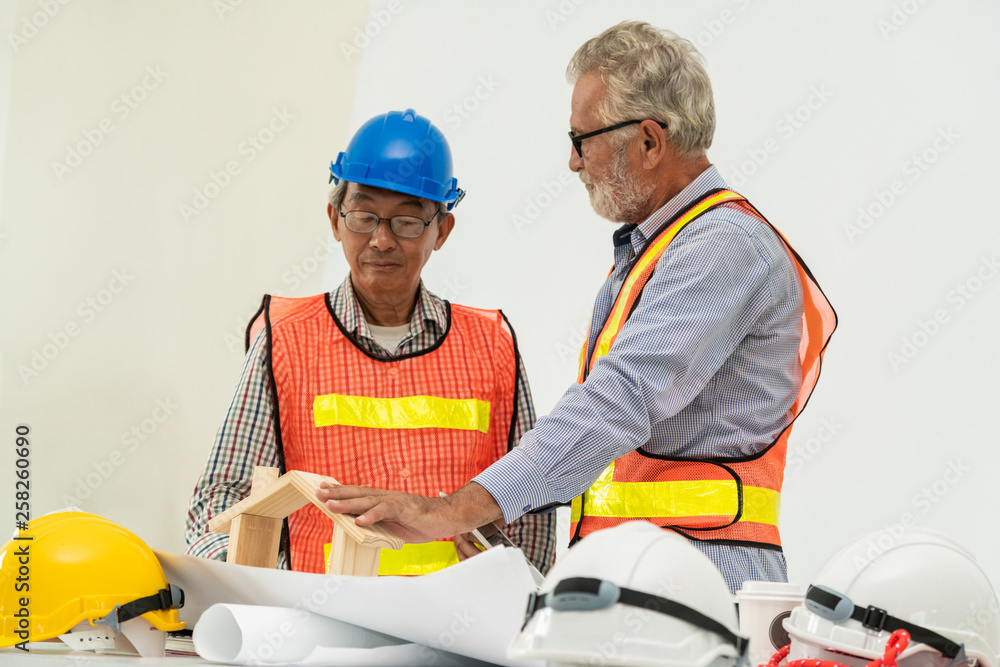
68, 567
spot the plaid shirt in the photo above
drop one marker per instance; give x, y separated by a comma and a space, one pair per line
246, 437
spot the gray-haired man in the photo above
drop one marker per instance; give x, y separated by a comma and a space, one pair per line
693, 371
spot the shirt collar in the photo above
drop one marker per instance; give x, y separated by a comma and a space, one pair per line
637, 235
430, 311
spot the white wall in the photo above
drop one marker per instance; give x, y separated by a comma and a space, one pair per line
164, 340
832, 101
7, 17
875, 435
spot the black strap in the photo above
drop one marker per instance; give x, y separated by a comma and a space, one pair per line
683, 612
511, 441
878, 619
633, 598
161, 600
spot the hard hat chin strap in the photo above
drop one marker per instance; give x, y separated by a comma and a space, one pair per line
586, 594
171, 597
833, 606
897, 644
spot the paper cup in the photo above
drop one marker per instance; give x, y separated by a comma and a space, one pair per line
763, 606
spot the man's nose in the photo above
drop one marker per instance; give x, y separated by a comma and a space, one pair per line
575, 161
382, 238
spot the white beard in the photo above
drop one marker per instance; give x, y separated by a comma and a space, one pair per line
616, 196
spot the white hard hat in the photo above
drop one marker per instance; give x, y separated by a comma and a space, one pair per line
919, 581
636, 596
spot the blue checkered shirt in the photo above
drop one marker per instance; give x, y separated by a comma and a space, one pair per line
706, 365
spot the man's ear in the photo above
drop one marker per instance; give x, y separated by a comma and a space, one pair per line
334, 221
654, 143
444, 229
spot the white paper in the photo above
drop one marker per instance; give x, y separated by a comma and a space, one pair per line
137, 636
411, 655
473, 609
149, 642
250, 635
87, 637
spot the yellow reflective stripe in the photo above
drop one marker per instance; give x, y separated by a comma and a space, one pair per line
650, 256
412, 559
605, 477
467, 414
675, 499
418, 558
574, 510
583, 358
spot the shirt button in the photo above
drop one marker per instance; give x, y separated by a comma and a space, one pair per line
393, 371
405, 472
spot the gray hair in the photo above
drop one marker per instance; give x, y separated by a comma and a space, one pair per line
650, 73
337, 196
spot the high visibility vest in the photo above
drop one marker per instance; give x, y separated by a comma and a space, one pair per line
422, 423
733, 500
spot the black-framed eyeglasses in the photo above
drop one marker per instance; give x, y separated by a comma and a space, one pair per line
403, 226
577, 139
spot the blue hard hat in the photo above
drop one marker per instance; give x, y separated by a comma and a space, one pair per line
400, 151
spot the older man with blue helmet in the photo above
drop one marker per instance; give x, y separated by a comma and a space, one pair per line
380, 382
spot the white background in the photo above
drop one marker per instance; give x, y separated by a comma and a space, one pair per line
821, 109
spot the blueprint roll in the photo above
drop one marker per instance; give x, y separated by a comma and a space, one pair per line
258, 635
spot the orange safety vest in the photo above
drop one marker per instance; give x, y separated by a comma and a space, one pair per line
421, 423
725, 500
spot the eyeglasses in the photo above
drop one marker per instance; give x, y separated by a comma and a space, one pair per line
577, 139
403, 226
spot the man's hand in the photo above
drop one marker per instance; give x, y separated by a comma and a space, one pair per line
467, 546
414, 518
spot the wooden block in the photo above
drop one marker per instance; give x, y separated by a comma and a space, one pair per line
262, 477
349, 557
365, 560
338, 551
376, 536
292, 491
253, 540
277, 501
